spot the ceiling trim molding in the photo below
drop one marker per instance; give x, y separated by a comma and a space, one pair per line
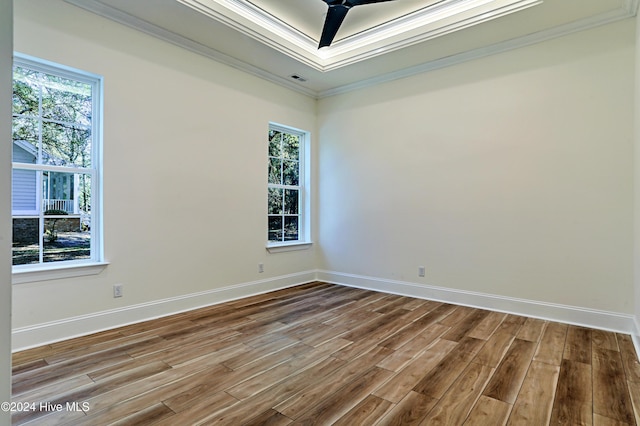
424, 24
628, 10
125, 19
292, 39
436, 31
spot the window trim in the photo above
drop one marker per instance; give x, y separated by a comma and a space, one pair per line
304, 231
96, 263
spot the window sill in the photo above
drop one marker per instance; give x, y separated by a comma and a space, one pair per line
292, 246
45, 273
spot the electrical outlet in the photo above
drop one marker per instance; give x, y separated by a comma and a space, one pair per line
260, 267
421, 271
117, 290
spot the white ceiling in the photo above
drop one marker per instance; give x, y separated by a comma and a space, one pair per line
277, 39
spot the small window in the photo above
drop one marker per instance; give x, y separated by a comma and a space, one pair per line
55, 165
287, 186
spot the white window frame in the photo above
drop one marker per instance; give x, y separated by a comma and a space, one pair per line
304, 185
96, 263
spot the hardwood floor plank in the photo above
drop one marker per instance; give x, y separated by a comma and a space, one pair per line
344, 399
489, 411
395, 303
194, 342
605, 340
181, 395
438, 380
269, 418
277, 344
512, 324
531, 330
599, 420
426, 321
301, 402
462, 328
86, 392
634, 394
274, 395
413, 303
28, 366
200, 409
349, 320
629, 357
47, 419
578, 344
127, 413
164, 384
290, 367
610, 392
505, 383
205, 352
123, 342
573, 404
409, 411
325, 354
495, 348
458, 314
457, 402
53, 373
413, 348
380, 328
401, 384
535, 401
367, 412
80, 342
552, 343
485, 328
42, 393
30, 355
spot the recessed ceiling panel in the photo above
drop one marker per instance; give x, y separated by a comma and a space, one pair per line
308, 16
382, 33
275, 39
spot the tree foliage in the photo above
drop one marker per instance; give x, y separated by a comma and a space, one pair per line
53, 115
55, 112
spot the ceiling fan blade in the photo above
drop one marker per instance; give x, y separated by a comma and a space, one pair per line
359, 2
335, 16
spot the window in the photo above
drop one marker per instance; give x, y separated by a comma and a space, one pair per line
55, 196
288, 221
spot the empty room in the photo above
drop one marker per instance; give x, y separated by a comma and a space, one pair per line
253, 212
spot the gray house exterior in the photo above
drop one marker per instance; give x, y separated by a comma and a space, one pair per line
57, 189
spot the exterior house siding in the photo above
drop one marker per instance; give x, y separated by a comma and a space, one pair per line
24, 196
24, 183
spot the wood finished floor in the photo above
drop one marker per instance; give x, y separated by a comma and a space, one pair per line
325, 354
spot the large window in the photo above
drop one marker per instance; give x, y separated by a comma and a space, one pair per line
287, 186
56, 165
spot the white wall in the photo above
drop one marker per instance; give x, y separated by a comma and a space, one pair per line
6, 58
184, 173
510, 175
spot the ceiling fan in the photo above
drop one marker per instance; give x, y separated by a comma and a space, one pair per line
335, 15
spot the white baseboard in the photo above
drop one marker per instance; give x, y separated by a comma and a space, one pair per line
40, 334
635, 336
611, 321
54, 331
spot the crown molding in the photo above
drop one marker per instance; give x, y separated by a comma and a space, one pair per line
424, 24
95, 6
628, 9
